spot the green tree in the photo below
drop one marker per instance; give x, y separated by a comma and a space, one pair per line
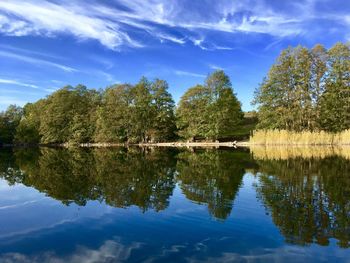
284, 98
141, 112
211, 111
225, 110
164, 127
318, 76
192, 118
69, 115
307, 90
113, 114
28, 129
335, 101
9, 121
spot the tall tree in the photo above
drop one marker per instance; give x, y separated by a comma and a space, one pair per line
113, 114
211, 111
192, 118
307, 90
335, 101
225, 109
164, 126
9, 120
141, 112
284, 96
69, 115
28, 129
318, 76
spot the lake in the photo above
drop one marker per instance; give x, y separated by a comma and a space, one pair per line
174, 205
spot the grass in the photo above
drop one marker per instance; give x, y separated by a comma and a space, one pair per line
284, 137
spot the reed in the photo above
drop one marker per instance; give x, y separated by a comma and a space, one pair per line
284, 137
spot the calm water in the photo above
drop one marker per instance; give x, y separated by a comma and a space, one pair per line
168, 205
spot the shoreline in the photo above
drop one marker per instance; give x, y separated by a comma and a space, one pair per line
160, 144
233, 144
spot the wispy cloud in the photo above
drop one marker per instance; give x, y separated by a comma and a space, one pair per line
35, 61
215, 67
18, 83
190, 74
29, 52
170, 38
118, 25
31, 18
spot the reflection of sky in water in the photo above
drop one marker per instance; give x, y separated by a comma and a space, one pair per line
36, 228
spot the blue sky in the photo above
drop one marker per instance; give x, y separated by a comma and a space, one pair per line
46, 44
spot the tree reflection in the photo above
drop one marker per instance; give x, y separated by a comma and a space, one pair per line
212, 177
308, 198
8, 167
136, 177
120, 177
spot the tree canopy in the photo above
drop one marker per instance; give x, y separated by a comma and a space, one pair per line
210, 111
307, 89
125, 113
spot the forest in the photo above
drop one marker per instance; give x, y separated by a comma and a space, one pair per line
305, 91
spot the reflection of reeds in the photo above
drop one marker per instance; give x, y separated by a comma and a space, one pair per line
283, 137
284, 153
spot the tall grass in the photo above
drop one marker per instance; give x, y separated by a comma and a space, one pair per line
284, 137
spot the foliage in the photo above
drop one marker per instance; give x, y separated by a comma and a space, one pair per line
9, 120
140, 113
335, 101
211, 111
69, 115
27, 130
307, 90
112, 114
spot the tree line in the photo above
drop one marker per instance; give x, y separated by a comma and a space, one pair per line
307, 89
304, 90
144, 112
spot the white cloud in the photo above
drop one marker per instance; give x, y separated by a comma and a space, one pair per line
35, 61
190, 74
115, 27
199, 43
18, 83
215, 67
48, 18
163, 37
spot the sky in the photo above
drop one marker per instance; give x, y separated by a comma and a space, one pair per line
47, 44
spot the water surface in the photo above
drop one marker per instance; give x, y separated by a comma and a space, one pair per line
171, 205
